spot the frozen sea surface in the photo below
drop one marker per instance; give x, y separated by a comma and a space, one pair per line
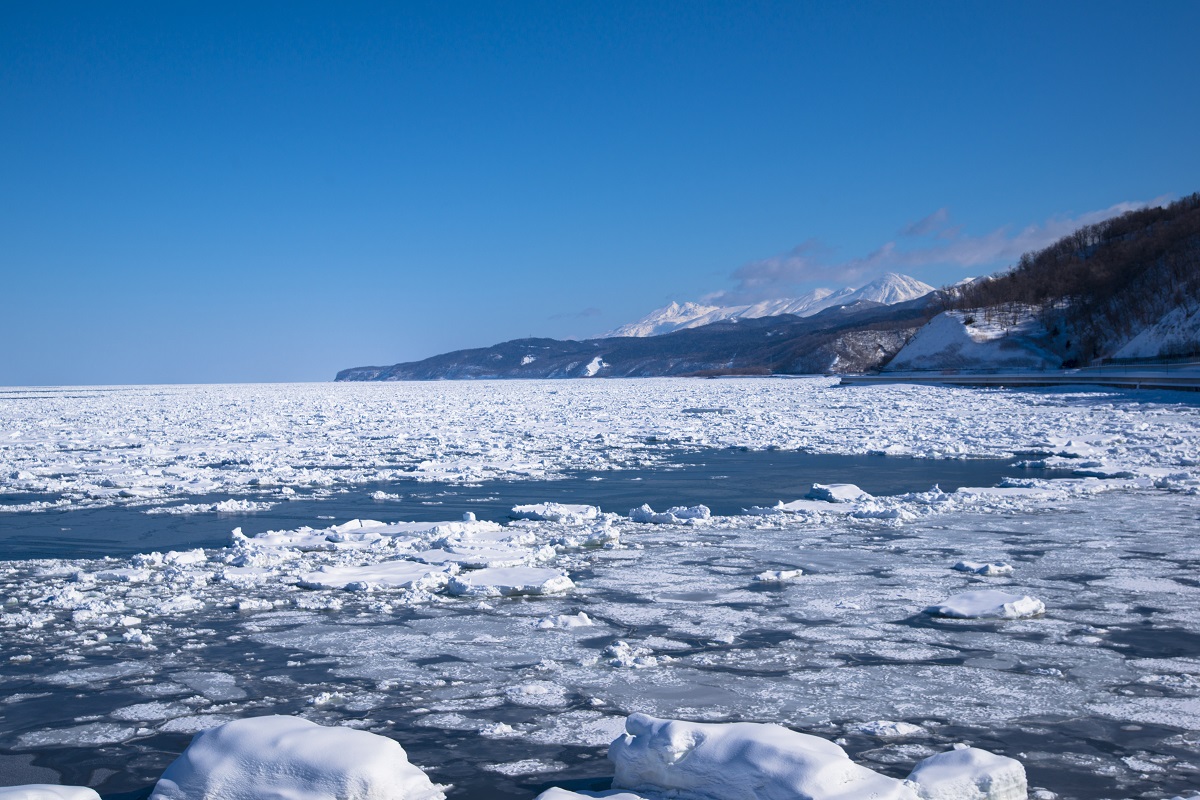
110, 664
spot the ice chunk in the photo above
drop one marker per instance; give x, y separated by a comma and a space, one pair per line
988, 603
778, 575
508, 581
886, 729
579, 620
563, 794
673, 515
740, 761
278, 756
837, 493
990, 570
969, 774
556, 512
385, 575
47, 791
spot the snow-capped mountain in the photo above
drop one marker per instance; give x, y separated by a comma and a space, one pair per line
888, 290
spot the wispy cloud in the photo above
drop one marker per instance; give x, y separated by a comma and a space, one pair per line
932, 241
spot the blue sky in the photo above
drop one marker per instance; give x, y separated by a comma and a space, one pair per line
200, 192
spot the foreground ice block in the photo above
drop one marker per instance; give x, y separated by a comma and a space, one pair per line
988, 603
740, 761
969, 774
47, 791
510, 581
676, 515
837, 493
289, 757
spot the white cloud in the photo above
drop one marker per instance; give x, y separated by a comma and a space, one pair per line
928, 242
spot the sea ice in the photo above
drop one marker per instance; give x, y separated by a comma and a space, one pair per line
987, 569
289, 757
740, 761
509, 581
988, 603
672, 516
837, 493
556, 512
969, 773
778, 575
46, 791
384, 575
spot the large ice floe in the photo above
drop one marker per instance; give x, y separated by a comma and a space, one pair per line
286, 757
505, 656
658, 758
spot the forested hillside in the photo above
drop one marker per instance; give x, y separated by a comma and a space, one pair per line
1099, 287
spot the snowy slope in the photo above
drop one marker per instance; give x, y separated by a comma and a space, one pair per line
1177, 332
960, 339
889, 290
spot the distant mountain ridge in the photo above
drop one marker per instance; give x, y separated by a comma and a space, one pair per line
888, 290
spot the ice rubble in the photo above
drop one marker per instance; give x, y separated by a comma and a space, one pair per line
153, 445
991, 569
659, 758
46, 791
672, 516
277, 756
988, 603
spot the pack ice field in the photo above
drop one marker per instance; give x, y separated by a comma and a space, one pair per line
1051, 620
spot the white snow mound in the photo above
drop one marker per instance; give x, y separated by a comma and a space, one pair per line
47, 791
740, 761
292, 759
987, 569
674, 515
510, 581
969, 774
837, 493
556, 512
988, 603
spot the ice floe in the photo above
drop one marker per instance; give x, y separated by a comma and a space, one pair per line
990, 569
45, 791
988, 603
969, 773
675, 515
277, 756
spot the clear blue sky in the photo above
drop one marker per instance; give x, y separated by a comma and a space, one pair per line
198, 192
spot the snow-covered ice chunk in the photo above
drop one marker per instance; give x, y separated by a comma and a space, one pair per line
47, 791
991, 569
580, 620
622, 654
837, 493
385, 575
508, 581
289, 757
740, 761
887, 729
969, 774
555, 793
556, 512
778, 575
673, 515
988, 603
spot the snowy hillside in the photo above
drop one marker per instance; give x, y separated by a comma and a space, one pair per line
888, 290
972, 340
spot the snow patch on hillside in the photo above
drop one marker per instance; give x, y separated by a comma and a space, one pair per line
1177, 332
969, 339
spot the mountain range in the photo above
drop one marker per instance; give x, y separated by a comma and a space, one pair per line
887, 290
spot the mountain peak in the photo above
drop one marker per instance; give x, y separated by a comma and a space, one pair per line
888, 289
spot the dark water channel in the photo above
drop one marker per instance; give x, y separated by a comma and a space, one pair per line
726, 481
